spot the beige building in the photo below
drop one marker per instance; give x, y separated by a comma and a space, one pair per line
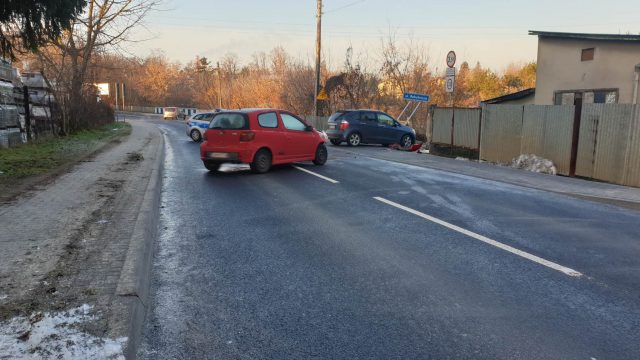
587, 68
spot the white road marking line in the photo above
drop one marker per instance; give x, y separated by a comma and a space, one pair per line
318, 175
526, 255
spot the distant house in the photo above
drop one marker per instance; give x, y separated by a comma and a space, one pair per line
524, 97
586, 68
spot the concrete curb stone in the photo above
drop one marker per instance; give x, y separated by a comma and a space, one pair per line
132, 290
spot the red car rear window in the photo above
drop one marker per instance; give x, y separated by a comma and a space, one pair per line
229, 121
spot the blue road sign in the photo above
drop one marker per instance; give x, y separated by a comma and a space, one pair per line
416, 97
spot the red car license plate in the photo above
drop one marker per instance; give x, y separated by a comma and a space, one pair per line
218, 155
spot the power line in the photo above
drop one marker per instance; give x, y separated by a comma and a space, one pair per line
345, 6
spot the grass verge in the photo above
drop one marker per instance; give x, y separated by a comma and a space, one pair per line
47, 155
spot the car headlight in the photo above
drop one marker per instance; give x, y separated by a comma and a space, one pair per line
413, 131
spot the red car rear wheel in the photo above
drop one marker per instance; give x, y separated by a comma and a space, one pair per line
261, 161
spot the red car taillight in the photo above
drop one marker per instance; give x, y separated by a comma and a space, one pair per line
344, 125
247, 136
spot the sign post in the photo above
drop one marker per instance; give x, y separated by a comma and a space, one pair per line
450, 87
411, 98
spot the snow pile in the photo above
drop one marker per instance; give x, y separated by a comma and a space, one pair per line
534, 163
56, 336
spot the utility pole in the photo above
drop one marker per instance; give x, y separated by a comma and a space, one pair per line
122, 96
318, 43
219, 86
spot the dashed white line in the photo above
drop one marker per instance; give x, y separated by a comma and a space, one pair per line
526, 255
316, 174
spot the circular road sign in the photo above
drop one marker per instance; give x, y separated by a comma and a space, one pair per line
451, 58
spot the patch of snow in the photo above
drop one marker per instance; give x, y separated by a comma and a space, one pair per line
462, 158
534, 163
234, 167
3, 296
56, 336
423, 151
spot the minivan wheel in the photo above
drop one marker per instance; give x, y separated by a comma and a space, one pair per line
354, 139
195, 135
213, 167
261, 162
335, 142
321, 155
406, 141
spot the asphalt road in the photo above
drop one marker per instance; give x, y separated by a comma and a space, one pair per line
391, 262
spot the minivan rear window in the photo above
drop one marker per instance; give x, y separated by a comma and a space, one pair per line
229, 121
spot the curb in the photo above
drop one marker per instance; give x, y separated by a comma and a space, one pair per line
132, 291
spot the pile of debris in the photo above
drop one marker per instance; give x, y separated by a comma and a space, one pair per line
412, 148
534, 163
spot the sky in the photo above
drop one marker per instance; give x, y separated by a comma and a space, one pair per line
492, 32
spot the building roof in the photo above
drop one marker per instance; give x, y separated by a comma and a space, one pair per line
509, 97
583, 36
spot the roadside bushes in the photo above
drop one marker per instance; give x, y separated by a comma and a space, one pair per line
89, 112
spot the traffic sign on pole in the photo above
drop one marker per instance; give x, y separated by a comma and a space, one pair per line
322, 95
416, 97
449, 84
451, 59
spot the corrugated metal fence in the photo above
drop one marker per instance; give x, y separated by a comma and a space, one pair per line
466, 127
501, 132
547, 131
609, 145
608, 142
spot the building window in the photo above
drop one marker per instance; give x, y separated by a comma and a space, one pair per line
603, 96
587, 54
564, 98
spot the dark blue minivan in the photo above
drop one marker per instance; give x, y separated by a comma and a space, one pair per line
368, 126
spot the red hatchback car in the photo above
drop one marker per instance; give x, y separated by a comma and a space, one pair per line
260, 138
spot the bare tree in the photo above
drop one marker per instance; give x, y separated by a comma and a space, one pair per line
404, 69
104, 24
